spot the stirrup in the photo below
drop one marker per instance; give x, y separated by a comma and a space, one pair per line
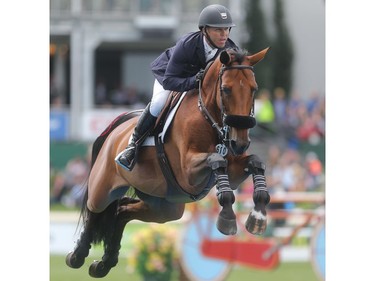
131, 164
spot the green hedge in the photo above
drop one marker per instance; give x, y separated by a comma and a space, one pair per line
62, 152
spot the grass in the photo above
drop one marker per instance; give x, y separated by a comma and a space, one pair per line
59, 271
286, 271
61, 208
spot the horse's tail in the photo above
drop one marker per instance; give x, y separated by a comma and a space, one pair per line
105, 218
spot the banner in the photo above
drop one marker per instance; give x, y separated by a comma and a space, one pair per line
59, 125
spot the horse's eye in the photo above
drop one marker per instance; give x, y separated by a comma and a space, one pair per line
226, 90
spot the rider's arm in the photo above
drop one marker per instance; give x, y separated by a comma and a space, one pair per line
182, 67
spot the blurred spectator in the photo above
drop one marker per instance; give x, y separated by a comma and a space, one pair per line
118, 96
56, 95
264, 114
273, 157
314, 171
313, 102
57, 102
101, 93
311, 126
285, 173
132, 96
280, 106
293, 120
289, 172
273, 181
295, 101
67, 187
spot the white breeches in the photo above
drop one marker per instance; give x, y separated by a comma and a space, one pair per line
159, 98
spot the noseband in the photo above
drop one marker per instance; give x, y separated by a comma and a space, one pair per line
235, 121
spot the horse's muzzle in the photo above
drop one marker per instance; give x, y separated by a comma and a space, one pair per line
238, 149
240, 121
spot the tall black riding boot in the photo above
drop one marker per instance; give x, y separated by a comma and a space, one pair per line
144, 126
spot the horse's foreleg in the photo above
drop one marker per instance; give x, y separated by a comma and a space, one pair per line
76, 258
226, 222
256, 223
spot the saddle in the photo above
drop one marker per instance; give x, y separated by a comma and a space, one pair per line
172, 101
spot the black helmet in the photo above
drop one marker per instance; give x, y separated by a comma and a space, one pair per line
215, 16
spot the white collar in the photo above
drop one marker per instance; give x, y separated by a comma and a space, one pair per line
208, 50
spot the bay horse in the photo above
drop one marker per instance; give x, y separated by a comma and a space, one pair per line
206, 146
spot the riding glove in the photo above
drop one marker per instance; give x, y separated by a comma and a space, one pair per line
199, 78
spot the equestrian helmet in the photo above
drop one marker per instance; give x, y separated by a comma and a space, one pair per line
215, 16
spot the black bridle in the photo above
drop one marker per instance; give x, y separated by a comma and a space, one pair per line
235, 121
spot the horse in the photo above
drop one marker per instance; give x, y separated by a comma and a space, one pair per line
206, 145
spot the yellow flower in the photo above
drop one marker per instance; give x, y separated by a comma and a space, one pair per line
154, 251
155, 263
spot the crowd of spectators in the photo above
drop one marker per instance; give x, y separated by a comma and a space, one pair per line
104, 97
67, 184
296, 119
119, 96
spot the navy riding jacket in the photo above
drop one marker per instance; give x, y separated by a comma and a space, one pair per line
177, 66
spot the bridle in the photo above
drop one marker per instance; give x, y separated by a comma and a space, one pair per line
236, 121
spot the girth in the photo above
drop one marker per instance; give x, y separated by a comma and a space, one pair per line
175, 193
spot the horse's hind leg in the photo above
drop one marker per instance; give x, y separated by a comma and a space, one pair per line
256, 223
151, 209
112, 247
226, 222
157, 210
76, 258
99, 269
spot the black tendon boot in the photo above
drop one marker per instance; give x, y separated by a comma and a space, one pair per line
144, 126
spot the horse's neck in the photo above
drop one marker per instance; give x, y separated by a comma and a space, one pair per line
210, 100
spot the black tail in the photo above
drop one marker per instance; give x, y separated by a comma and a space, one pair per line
104, 218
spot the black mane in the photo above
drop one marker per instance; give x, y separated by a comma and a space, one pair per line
238, 54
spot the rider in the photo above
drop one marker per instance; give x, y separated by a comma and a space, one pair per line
179, 68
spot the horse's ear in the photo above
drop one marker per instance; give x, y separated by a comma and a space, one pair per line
254, 59
224, 57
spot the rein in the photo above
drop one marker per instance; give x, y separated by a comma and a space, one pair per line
204, 110
222, 131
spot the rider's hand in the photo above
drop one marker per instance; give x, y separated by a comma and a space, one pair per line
199, 78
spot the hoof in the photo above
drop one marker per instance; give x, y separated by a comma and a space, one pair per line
98, 269
256, 223
74, 261
226, 226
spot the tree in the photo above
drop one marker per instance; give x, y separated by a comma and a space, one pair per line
258, 40
282, 52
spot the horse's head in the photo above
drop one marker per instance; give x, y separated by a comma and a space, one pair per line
235, 88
